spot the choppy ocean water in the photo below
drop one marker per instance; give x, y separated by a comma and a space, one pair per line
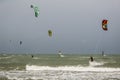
53, 67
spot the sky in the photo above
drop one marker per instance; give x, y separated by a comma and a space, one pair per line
76, 26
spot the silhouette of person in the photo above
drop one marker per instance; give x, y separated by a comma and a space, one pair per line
91, 59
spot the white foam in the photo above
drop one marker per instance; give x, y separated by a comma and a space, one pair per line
58, 74
94, 63
70, 68
36, 58
61, 55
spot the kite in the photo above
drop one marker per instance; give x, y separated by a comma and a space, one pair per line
104, 25
50, 33
36, 10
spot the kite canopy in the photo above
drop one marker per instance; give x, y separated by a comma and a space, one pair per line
104, 25
50, 33
36, 10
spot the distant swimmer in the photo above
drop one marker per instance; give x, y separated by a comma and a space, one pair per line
91, 59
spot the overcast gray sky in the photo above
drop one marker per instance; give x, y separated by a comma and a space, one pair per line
76, 26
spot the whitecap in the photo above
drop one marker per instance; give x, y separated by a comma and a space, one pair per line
70, 68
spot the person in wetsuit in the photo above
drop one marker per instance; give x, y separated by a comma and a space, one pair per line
91, 59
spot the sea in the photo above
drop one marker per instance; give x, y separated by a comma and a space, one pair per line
54, 67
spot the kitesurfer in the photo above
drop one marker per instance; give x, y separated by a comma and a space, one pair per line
91, 59
36, 10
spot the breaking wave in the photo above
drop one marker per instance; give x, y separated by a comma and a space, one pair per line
70, 68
